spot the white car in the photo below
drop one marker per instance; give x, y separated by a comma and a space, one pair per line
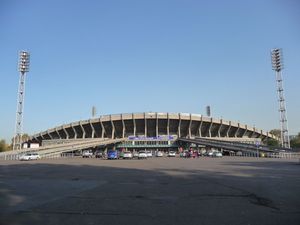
135, 154
87, 154
217, 154
172, 154
127, 155
210, 153
159, 154
149, 154
30, 156
142, 155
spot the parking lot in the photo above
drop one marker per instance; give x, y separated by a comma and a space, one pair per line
228, 190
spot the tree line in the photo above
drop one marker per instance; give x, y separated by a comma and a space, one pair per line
7, 147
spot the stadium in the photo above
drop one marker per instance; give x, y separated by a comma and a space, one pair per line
150, 130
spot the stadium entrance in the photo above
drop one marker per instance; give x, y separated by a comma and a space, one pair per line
163, 143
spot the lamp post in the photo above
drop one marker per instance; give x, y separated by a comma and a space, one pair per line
23, 69
277, 66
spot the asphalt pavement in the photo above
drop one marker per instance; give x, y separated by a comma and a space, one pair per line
228, 190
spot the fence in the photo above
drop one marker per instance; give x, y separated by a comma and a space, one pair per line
282, 155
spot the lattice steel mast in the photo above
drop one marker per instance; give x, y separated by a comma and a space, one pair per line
277, 65
23, 68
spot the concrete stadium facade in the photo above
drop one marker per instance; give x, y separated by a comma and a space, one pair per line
151, 124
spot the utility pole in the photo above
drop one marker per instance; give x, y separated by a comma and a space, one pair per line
23, 69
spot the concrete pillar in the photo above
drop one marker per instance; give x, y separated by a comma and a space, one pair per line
41, 135
210, 125
145, 122
67, 135
134, 125
83, 131
49, 134
113, 128
253, 132
228, 130
200, 127
168, 125
261, 134
123, 127
75, 133
93, 129
179, 126
102, 128
245, 131
235, 134
190, 126
156, 125
57, 133
221, 122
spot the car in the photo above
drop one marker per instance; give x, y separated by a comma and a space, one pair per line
185, 154
121, 155
30, 156
127, 155
87, 154
159, 154
217, 154
142, 155
210, 153
149, 154
112, 154
135, 154
98, 154
171, 154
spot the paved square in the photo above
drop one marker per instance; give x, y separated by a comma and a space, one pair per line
230, 190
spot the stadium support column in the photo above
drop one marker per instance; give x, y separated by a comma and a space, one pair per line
190, 125
245, 132
75, 133
179, 126
237, 130
253, 132
168, 124
200, 127
93, 129
57, 133
261, 135
219, 130
83, 131
42, 136
65, 131
102, 128
156, 125
113, 128
227, 132
210, 125
49, 134
134, 125
145, 124
123, 126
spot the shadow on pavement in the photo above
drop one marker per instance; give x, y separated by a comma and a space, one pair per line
241, 193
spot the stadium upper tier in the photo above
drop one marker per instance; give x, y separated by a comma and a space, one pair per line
151, 124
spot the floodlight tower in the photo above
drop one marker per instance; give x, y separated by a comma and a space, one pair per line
23, 68
277, 66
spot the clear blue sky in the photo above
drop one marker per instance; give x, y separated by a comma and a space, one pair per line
155, 55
